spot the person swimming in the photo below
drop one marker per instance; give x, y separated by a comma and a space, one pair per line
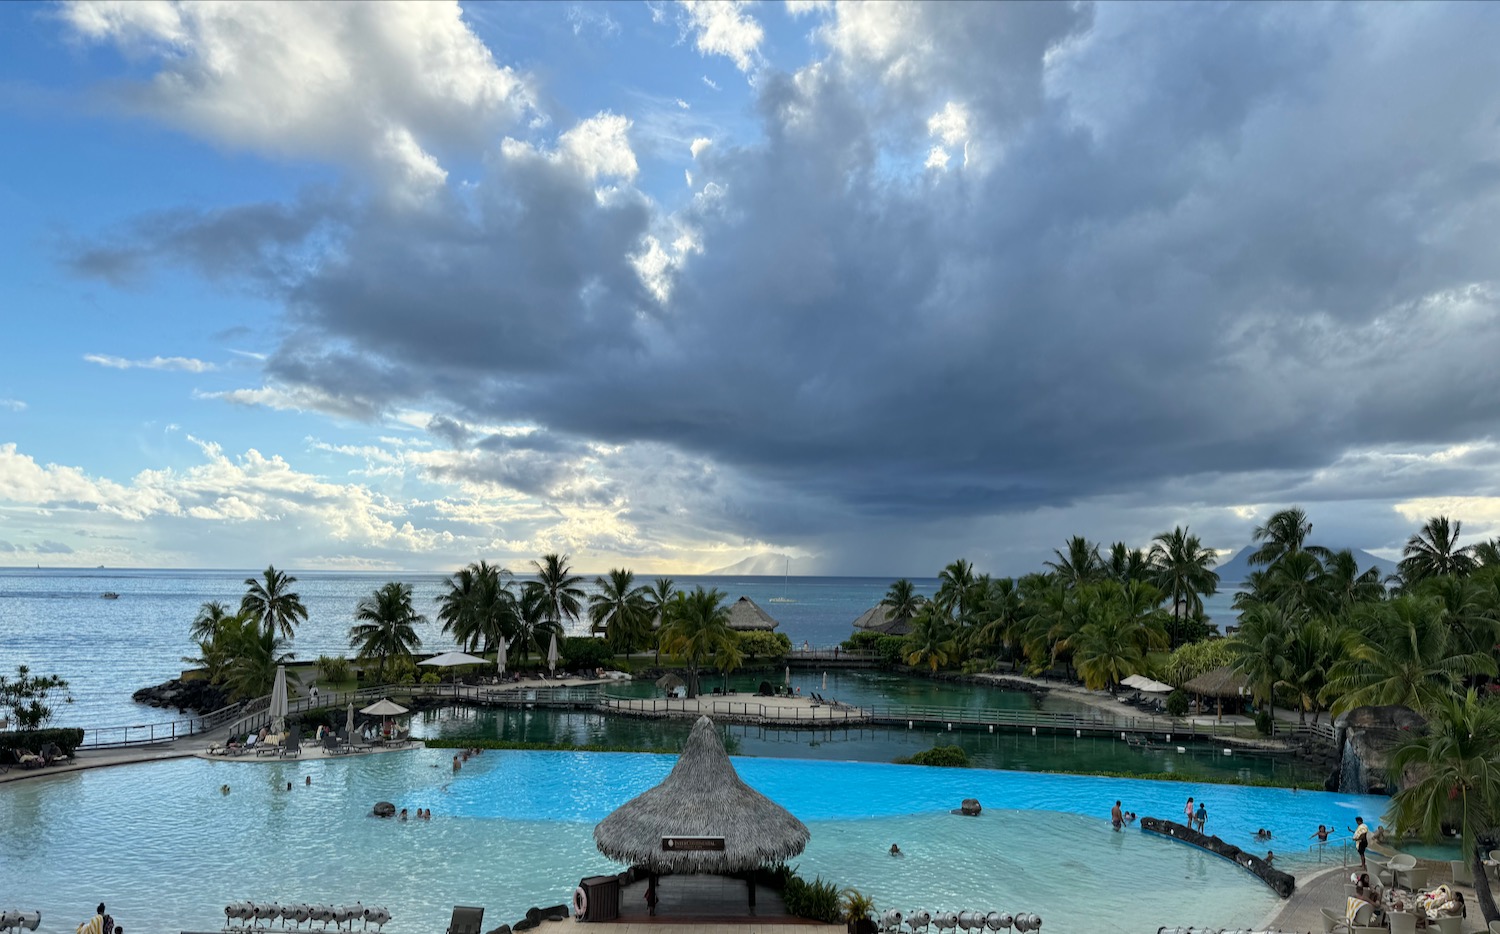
895, 850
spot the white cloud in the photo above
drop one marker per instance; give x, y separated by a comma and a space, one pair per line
15, 405
700, 144
937, 158
598, 21
714, 85
297, 399
950, 125
181, 364
600, 146
684, 105
804, 7
380, 86
722, 27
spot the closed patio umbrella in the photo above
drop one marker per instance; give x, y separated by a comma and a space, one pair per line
349, 723
552, 655
500, 658
278, 701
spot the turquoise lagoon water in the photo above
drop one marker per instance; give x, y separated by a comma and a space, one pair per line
162, 846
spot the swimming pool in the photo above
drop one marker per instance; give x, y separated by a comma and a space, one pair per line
166, 850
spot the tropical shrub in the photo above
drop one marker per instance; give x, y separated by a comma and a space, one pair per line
863, 641
857, 905
816, 900
1177, 704
950, 756
584, 653
767, 645
25, 696
33, 740
333, 669
1263, 722
891, 648
1197, 658
431, 677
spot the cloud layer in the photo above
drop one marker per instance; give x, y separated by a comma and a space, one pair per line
979, 264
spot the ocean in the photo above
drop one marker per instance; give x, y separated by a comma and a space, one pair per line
55, 621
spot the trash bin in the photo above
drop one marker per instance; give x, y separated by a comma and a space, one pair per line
597, 898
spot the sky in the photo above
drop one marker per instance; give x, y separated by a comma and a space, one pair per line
665, 285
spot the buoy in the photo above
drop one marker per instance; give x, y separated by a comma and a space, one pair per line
1228, 751
908, 724
1078, 733
1033, 731
580, 902
992, 727
950, 728
1182, 749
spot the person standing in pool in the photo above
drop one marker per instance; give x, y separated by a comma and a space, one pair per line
1361, 833
1117, 817
1202, 816
1187, 812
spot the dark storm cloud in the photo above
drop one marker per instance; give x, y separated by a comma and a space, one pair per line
1196, 248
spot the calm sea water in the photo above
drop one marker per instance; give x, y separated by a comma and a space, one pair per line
56, 622
166, 850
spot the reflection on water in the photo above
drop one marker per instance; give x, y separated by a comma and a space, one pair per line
1000, 750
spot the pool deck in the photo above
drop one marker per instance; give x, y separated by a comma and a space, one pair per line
1324, 888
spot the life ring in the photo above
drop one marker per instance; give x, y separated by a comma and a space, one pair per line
580, 902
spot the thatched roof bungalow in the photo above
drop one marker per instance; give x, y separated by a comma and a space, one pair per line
1221, 682
702, 797
878, 618
745, 615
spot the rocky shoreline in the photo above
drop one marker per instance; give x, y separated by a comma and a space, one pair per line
197, 696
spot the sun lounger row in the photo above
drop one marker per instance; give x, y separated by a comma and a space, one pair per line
253, 916
977, 921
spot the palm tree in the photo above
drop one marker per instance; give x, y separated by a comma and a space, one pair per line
1486, 553
1456, 763
387, 626
273, 603
658, 597
1403, 652
1297, 584
1080, 565
255, 651
1317, 644
1001, 608
220, 644
1183, 569
1434, 552
1259, 650
206, 623
902, 600
697, 628
534, 625
621, 611
479, 608
955, 592
1127, 564
563, 596
1346, 584
1284, 534
931, 639
1122, 624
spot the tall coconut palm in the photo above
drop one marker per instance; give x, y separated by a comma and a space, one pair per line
1260, 650
955, 592
902, 600
697, 628
255, 652
1003, 627
271, 600
1126, 564
534, 625
1122, 624
563, 596
387, 626
206, 623
931, 640
1183, 569
621, 611
1487, 553
1317, 645
1079, 565
479, 607
1283, 534
1348, 586
1434, 552
1456, 766
1297, 584
1403, 652
658, 597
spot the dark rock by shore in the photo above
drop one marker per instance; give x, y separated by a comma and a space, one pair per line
187, 696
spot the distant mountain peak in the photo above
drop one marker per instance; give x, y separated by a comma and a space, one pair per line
762, 565
1237, 567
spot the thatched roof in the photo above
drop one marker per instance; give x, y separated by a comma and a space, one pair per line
669, 681
878, 619
703, 796
1221, 682
744, 614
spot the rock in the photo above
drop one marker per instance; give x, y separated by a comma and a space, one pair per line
197, 695
970, 806
502, 929
385, 809
1368, 737
1281, 882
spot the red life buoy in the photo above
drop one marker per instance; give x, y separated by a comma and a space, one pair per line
580, 902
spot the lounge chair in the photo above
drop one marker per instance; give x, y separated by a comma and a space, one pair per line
247, 746
466, 920
291, 747
271, 745
1395, 867
54, 754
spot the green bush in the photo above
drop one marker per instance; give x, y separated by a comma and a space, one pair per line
950, 756
891, 649
1263, 721
584, 653
1177, 704
333, 669
863, 641
33, 740
756, 645
432, 677
816, 900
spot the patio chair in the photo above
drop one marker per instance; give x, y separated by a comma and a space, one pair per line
1447, 924
291, 747
1416, 879
1396, 867
466, 920
1495, 927
1403, 922
1462, 874
1333, 922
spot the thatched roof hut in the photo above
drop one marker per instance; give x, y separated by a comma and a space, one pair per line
702, 797
878, 618
1221, 682
745, 615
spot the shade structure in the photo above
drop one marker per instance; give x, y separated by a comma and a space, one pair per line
1147, 685
1221, 682
745, 615
669, 681
384, 708
552, 654
450, 659
878, 618
278, 701
702, 797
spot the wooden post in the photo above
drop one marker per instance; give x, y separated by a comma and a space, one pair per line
750, 884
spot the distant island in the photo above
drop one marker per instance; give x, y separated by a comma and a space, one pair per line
766, 565
1235, 569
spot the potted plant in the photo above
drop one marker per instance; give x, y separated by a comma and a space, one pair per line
857, 910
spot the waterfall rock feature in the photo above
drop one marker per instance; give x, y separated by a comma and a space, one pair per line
1367, 738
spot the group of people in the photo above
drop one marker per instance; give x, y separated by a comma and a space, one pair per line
458, 762
100, 923
422, 814
1195, 819
1120, 819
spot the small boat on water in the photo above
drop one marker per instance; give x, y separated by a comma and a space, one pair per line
109, 595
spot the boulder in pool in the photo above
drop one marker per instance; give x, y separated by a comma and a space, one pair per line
385, 809
970, 806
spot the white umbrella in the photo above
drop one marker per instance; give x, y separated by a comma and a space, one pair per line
385, 708
825, 680
1148, 685
500, 658
349, 723
552, 654
450, 659
278, 701
787, 679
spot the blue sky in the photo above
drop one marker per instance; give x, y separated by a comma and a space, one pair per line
664, 285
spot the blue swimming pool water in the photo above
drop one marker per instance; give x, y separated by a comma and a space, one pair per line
166, 850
